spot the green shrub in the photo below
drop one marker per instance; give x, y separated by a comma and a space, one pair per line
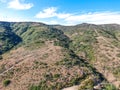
6, 82
56, 76
56, 43
1, 57
118, 55
110, 87
116, 72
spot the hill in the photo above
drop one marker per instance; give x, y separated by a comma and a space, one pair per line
99, 45
54, 57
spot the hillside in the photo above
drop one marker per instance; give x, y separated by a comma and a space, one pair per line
54, 57
8, 39
99, 45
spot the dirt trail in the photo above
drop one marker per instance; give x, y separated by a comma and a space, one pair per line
101, 37
41, 52
19, 61
24, 61
71, 88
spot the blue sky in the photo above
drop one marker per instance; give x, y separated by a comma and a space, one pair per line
65, 12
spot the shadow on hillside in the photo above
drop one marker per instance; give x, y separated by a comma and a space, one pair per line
9, 39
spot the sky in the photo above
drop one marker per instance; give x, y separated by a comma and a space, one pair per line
64, 12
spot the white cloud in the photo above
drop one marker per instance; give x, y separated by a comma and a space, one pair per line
51, 22
95, 18
72, 19
16, 4
47, 13
63, 15
51, 12
12, 18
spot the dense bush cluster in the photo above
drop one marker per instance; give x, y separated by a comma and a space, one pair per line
6, 82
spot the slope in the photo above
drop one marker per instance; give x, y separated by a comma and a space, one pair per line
8, 39
44, 61
99, 45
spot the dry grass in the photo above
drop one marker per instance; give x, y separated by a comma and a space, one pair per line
28, 67
106, 58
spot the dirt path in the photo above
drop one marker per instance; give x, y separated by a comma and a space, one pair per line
25, 62
71, 88
103, 38
41, 52
10, 68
